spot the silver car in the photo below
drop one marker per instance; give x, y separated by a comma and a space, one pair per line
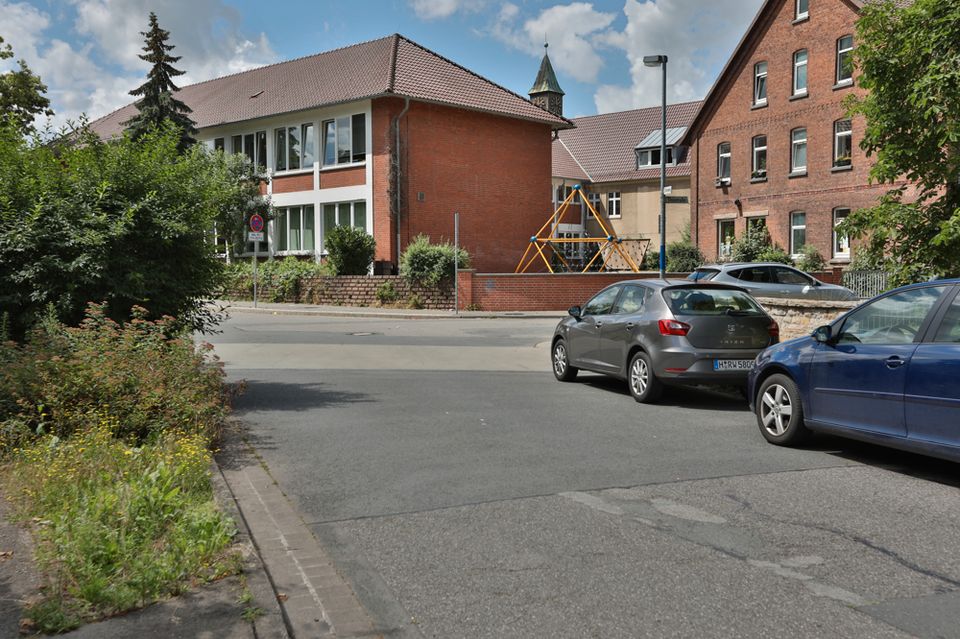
771, 279
660, 332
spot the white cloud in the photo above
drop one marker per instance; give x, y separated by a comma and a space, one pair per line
439, 9
694, 35
94, 73
571, 30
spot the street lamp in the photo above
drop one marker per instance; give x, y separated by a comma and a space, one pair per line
661, 61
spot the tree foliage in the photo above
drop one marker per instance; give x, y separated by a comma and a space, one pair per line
349, 250
156, 103
910, 63
431, 264
21, 95
126, 222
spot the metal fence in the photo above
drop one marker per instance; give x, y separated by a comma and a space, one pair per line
865, 283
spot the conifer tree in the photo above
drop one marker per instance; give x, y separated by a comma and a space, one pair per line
157, 103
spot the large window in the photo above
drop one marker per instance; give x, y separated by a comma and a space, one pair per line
760, 83
294, 147
651, 157
845, 60
798, 232
723, 160
294, 229
798, 151
218, 144
344, 214
759, 158
842, 142
252, 145
803, 9
594, 200
841, 244
756, 224
613, 204
726, 234
563, 192
345, 140
800, 72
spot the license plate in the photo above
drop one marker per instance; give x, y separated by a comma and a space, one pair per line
732, 364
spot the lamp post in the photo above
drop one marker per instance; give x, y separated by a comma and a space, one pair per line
661, 61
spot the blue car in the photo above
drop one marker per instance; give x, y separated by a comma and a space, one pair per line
886, 372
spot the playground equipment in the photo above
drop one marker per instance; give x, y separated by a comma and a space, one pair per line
546, 241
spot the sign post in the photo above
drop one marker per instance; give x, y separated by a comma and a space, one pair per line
456, 263
256, 236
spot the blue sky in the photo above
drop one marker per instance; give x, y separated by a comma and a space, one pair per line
85, 50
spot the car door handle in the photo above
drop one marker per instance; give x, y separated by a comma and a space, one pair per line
629, 326
894, 361
598, 324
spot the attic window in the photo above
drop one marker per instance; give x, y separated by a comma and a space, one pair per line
651, 157
257, 94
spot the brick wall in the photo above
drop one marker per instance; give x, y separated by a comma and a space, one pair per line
347, 290
293, 183
731, 118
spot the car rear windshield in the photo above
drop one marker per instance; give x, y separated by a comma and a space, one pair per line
703, 274
710, 301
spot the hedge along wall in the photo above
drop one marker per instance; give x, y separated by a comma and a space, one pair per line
349, 290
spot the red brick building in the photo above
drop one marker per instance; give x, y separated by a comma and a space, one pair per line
387, 136
772, 144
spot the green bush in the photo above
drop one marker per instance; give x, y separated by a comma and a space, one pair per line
350, 250
283, 277
775, 254
810, 260
756, 246
683, 257
651, 261
386, 293
431, 264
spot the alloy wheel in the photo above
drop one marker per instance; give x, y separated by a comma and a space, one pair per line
775, 409
639, 376
559, 359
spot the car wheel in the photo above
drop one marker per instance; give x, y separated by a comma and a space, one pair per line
644, 385
780, 412
562, 369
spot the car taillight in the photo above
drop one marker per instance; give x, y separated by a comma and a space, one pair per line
673, 327
774, 330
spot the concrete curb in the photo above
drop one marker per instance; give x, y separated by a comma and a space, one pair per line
352, 311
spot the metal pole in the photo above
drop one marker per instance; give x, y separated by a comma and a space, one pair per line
256, 249
456, 263
663, 175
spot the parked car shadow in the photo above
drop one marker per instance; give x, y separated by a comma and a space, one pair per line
897, 461
279, 396
690, 397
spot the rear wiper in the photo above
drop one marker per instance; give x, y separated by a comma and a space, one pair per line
735, 313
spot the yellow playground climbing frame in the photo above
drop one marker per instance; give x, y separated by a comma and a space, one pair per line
545, 241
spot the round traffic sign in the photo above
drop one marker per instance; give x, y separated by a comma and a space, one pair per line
256, 223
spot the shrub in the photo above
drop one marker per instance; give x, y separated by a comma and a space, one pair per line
810, 260
775, 254
651, 261
415, 301
431, 264
283, 277
386, 293
683, 257
350, 250
749, 246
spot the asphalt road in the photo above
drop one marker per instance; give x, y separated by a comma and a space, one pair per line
466, 493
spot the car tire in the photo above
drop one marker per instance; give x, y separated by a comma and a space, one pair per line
643, 384
560, 359
779, 411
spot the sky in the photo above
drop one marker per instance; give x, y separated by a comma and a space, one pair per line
86, 51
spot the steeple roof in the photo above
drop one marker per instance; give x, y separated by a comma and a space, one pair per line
546, 79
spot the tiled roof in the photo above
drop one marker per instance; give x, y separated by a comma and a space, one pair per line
389, 66
604, 144
564, 165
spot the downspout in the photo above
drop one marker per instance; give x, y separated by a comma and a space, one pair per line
396, 124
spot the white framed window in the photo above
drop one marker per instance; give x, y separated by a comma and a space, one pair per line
294, 229
800, 72
841, 243
563, 192
723, 160
613, 204
252, 145
594, 200
842, 143
726, 234
759, 166
760, 83
798, 232
802, 9
798, 150
845, 60
651, 157
344, 214
294, 147
345, 140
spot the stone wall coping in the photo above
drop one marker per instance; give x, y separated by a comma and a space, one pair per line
799, 303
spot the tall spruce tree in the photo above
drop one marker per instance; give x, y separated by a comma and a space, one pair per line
157, 102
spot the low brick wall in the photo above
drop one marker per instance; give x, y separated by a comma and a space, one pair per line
351, 290
800, 317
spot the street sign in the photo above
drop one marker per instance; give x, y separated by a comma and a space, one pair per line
255, 236
667, 190
677, 199
256, 224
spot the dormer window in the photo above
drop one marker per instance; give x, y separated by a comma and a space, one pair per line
647, 158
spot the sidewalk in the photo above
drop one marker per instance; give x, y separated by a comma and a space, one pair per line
274, 308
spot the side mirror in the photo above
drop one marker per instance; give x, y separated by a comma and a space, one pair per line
823, 334
575, 312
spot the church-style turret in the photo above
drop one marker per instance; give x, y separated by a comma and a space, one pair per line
546, 92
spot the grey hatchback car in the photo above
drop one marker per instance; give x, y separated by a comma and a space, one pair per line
657, 332
771, 279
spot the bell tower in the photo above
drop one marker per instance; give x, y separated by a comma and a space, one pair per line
546, 92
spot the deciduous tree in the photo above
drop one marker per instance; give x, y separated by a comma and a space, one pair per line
21, 94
